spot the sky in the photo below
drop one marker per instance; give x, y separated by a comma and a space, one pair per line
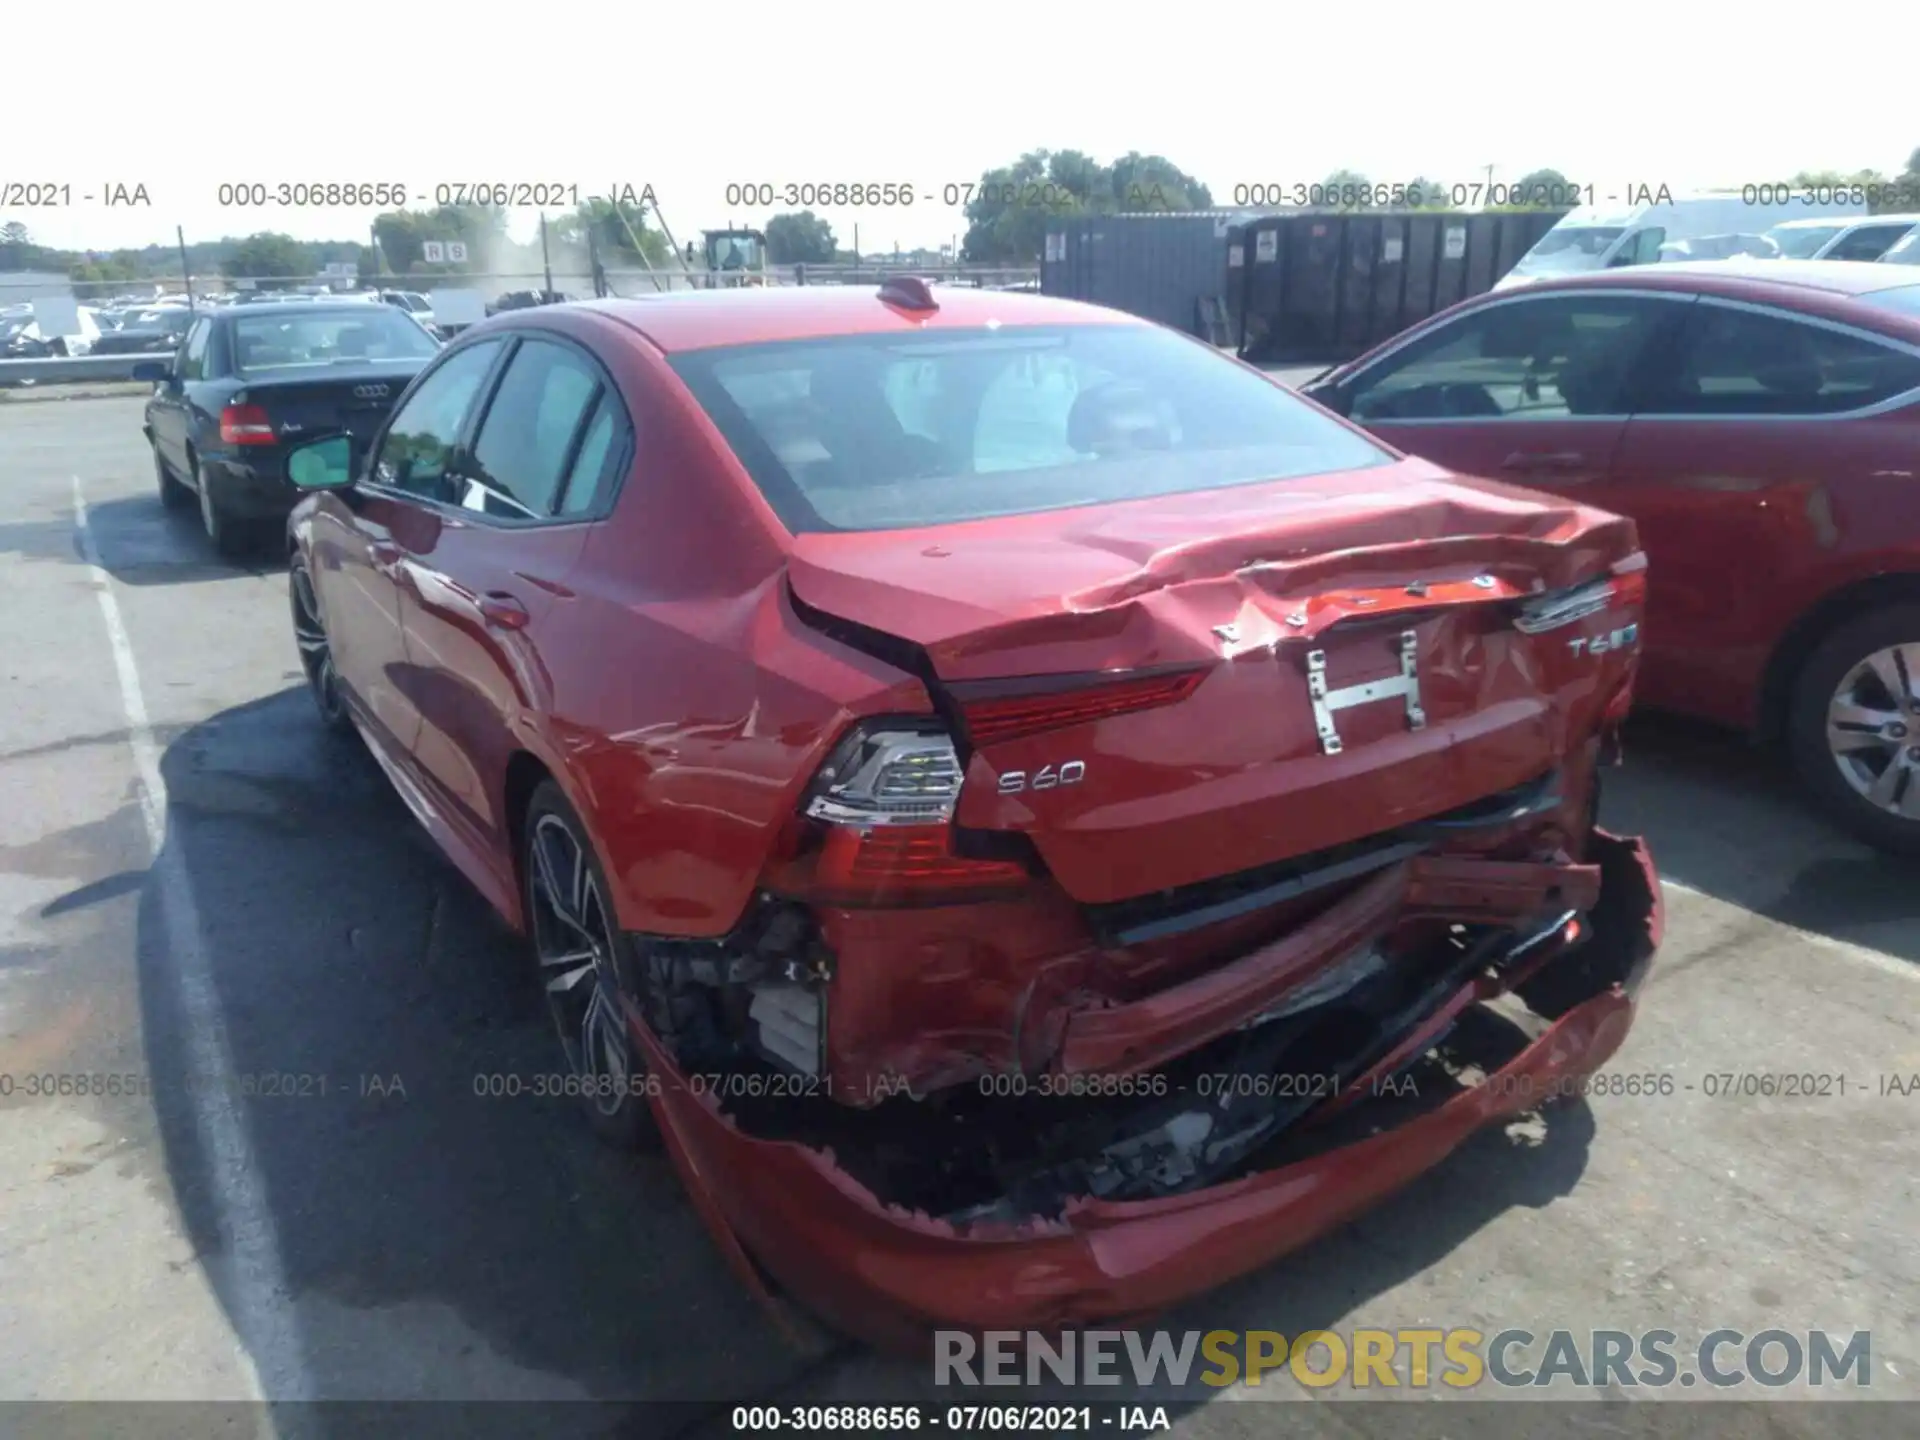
691, 100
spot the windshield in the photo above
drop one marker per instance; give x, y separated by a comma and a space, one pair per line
328, 337
1905, 299
879, 433
1567, 248
1799, 242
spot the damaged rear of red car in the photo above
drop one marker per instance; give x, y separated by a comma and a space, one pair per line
1199, 868
1083, 821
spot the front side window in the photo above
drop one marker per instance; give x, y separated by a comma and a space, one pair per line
1547, 358
878, 432
1742, 362
417, 452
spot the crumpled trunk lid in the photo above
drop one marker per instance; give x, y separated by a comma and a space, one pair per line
1358, 665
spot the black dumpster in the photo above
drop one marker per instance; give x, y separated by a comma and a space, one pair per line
1319, 287
1164, 267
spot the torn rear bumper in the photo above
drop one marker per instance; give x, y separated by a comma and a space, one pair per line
891, 1276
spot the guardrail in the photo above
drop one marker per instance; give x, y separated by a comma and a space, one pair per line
57, 370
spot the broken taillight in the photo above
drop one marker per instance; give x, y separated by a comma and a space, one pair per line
1014, 708
1625, 587
877, 826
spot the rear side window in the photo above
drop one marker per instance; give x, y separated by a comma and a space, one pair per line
527, 441
879, 432
193, 360
1742, 362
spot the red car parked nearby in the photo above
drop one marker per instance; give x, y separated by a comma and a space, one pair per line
1760, 422
1001, 786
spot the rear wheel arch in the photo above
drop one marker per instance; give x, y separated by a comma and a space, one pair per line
526, 772
1805, 634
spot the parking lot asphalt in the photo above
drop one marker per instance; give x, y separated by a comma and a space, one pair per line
293, 1186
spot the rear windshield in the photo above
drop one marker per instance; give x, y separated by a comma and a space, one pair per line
882, 433
1903, 298
328, 337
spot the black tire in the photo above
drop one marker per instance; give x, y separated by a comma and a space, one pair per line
613, 1089
1837, 670
173, 494
316, 651
231, 537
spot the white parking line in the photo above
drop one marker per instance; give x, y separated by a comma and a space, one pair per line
256, 1290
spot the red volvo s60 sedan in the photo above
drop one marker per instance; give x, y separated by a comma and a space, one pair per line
1759, 422
1038, 817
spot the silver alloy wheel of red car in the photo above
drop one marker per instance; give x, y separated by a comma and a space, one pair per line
1873, 729
316, 654
576, 943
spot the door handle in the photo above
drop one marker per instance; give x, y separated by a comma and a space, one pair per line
503, 611
1543, 460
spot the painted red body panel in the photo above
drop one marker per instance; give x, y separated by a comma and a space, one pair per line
661, 667
891, 1277
1748, 526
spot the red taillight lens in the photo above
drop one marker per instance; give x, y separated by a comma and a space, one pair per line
991, 719
876, 827
1627, 586
245, 425
1630, 589
903, 864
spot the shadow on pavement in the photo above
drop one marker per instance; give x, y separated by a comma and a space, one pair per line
141, 542
440, 1239
1726, 818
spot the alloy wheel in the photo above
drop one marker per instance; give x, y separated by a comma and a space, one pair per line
316, 655
1873, 729
573, 938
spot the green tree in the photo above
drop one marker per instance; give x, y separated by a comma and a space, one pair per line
269, 255
1431, 194
1345, 190
801, 238
616, 226
14, 233
1885, 191
403, 234
1139, 182
1010, 207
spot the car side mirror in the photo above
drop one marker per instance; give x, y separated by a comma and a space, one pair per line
156, 371
325, 464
